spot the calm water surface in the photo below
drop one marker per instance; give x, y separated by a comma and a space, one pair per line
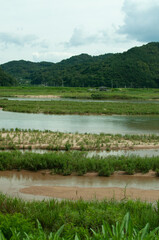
81, 100
77, 123
140, 152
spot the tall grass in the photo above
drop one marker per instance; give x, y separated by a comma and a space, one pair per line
120, 231
66, 163
79, 218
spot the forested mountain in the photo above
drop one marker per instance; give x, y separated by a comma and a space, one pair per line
138, 67
22, 70
6, 80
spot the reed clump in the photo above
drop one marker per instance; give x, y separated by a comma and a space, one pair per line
69, 162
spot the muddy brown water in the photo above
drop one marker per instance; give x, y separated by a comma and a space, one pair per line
42, 185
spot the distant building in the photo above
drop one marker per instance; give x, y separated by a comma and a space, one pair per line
103, 88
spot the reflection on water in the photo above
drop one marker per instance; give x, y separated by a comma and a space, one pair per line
77, 123
11, 182
139, 152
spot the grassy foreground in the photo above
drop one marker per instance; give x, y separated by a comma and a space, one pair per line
68, 107
77, 162
79, 220
30, 139
78, 92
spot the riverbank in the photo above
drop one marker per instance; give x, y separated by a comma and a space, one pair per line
77, 193
34, 139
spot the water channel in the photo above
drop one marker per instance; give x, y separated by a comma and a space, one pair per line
13, 181
79, 100
76, 123
138, 152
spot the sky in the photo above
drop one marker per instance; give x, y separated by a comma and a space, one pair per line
53, 30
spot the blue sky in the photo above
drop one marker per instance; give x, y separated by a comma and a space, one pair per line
52, 30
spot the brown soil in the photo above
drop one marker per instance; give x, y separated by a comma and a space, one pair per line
75, 193
99, 193
25, 140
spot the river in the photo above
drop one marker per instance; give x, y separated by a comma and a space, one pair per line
77, 123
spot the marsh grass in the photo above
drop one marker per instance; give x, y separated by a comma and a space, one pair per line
106, 218
29, 139
81, 92
68, 107
119, 231
69, 162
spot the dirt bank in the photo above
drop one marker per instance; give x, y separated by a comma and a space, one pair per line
75, 193
77, 141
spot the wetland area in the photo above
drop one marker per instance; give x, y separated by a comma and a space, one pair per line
81, 132
102, 157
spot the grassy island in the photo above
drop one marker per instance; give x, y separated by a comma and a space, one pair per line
83, 108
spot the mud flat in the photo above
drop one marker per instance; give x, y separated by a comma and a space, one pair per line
42, 185
76, 193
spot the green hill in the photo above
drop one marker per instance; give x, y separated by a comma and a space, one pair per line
22, 70
6, 80
138, 67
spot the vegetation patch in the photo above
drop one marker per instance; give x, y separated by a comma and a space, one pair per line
81, 92
68, 107
34, 139
66, 163
86, 219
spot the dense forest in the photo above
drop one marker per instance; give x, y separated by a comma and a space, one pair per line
6, 79
138, 67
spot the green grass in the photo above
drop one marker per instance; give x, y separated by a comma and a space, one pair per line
108, 219
77, 162
78, 92
67, 107
120, 231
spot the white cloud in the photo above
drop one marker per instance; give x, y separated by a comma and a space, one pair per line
51, 30
79, 37
141, 20
50, 56
20, 40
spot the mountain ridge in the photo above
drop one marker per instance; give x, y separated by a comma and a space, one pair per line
137, 67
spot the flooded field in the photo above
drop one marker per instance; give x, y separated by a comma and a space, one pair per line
77, 123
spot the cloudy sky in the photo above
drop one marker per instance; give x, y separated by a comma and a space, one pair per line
52, 30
